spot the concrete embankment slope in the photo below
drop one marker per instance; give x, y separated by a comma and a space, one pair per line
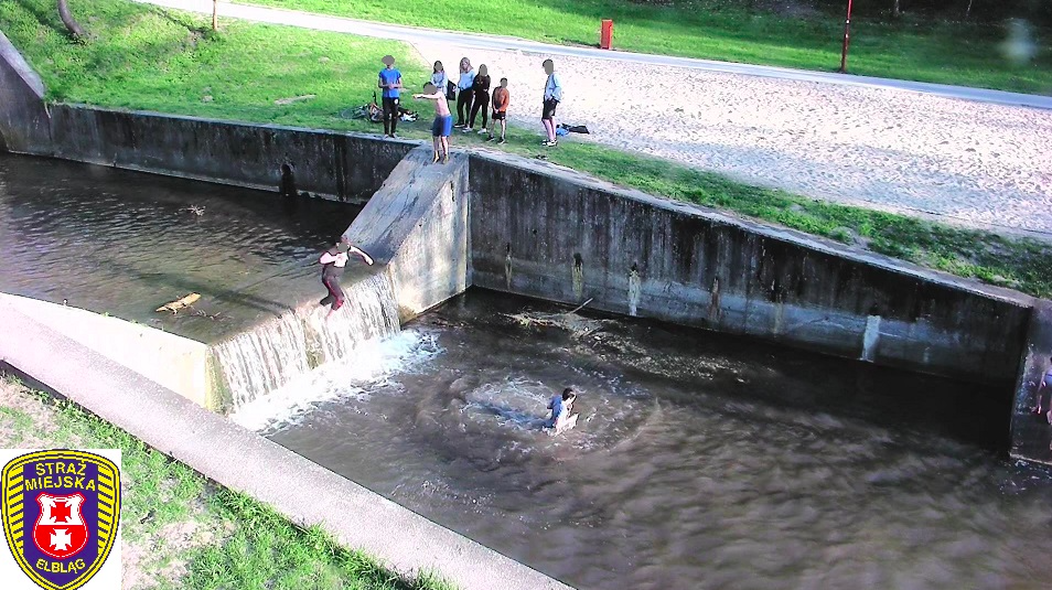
234, 457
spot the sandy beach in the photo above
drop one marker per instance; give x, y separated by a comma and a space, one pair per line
974, 163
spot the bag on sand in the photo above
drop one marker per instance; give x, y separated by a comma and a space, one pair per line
574, 128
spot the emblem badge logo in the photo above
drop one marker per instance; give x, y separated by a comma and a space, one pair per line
60, 513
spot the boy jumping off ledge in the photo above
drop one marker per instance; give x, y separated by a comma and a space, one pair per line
443, 123
332, 262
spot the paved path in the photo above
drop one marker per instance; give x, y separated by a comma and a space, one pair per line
980, 157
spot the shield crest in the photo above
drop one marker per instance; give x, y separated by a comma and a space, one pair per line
60, 531
60, 510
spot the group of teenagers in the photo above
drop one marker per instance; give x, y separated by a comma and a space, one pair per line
333, 262
472, 95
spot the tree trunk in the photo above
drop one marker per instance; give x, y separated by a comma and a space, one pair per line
215, 15
895, 10
67, 19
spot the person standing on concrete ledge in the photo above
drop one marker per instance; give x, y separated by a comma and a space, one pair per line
391, 82
443, 123
553, 95
332, 262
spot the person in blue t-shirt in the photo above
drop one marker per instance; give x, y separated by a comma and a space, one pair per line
561, 406
391, 82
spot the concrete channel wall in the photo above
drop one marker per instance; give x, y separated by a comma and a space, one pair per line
558, 235
179, 364
346, 167
24, 121
341, 166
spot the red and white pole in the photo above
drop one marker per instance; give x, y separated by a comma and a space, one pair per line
847, 40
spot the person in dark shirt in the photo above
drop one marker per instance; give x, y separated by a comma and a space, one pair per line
480, 88
332, 262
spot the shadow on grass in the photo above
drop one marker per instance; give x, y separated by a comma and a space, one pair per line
49, 19
184, 20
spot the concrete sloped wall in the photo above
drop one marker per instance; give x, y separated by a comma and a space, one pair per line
555, 234
24, 122
417, 224
174, 362
341, 166
1032, 434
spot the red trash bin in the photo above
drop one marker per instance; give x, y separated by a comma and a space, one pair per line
606, 34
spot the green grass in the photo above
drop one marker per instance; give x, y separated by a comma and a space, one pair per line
928, 50
271, 552
262, 549
147, 58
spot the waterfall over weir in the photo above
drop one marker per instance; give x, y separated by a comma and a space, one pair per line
260, 360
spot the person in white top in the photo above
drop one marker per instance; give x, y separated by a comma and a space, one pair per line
553, 95
438, 77
465, 95
332, 262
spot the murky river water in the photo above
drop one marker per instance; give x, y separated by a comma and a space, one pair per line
699, 461
125, 243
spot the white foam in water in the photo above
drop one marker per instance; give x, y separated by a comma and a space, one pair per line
513, 403
366, 367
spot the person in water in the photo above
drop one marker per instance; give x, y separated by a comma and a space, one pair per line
561, 406
332, 262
